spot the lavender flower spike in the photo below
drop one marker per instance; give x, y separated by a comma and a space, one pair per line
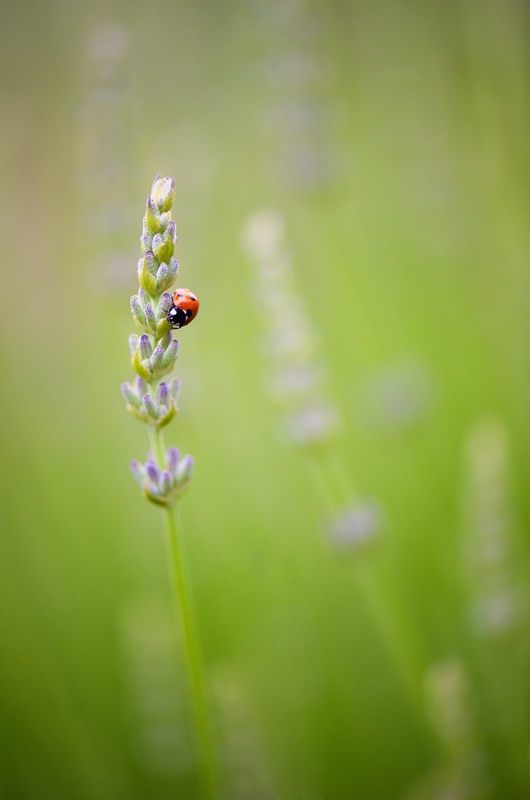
149, 398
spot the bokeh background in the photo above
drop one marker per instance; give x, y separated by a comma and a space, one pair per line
366, 641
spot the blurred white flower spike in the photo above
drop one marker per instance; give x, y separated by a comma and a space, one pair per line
296, 376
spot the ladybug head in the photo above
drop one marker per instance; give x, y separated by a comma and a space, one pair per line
177, 317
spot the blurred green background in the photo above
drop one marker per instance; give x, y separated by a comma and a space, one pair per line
392, 138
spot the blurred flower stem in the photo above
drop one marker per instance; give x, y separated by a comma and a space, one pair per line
297, 380
355, 527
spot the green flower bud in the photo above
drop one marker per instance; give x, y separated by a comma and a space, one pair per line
174, 390
156, 359
141, 358
164, 244
164, 304
172, 272
138, 312
150, 317
152, 216
146, 239
162, 328
161, 277
151, 408
167, 417
163, 192
130, 395
170, 355
145, 276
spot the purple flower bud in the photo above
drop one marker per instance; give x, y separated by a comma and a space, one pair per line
150, 406
149, 261
173, 269
163, 397
153, 472
184, 470
170, 356
137, 310
357, 525
133, 343
130, 395
144, 346
157, 357
161, 275
172, 459
174, 388
166, 482
146, 238
140, 386
138, 471
171, 232
150, 316
164, 305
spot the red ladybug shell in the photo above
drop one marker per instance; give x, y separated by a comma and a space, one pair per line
184, 309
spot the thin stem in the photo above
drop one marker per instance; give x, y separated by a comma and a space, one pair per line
382, 599
156, 441
190, 637
181, 582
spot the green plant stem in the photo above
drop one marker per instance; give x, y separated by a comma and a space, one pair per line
382, 599
190, 637
181, 582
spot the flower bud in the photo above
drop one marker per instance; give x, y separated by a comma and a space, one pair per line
152, 215
138, 471
184, 470
156, 358
141, 358
151, 409
164, 304
140, 386
165, 482
137, 311
146, 239
163, 192
172, 459
162, 328
150, 317
170, 356
145, 276
163, 396
172, 271
133, 343
130, 395
152, 471
174, 389
161, 277
164, 244
163, 485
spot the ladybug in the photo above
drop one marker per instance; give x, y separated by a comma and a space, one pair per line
184, 309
